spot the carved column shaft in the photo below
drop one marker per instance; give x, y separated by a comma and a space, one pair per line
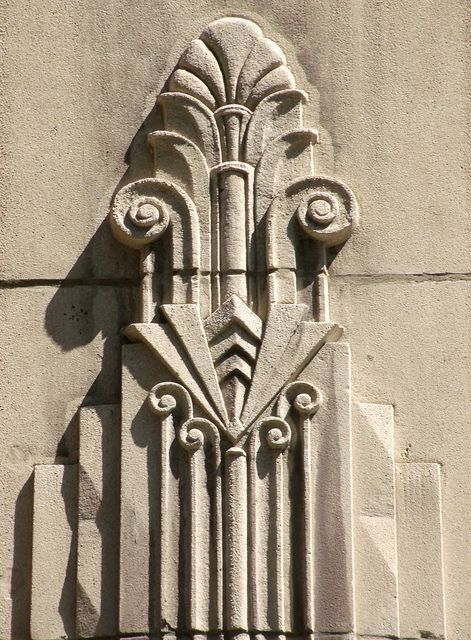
235, 538
232, 215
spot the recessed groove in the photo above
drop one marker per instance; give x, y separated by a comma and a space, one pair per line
75, 282
402, 277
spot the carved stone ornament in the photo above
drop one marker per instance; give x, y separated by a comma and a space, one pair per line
255, 499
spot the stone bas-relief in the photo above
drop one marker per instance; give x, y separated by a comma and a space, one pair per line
247, 494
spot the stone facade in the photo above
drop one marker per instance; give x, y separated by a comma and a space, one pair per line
247, 389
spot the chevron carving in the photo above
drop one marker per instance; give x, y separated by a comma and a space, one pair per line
234, 335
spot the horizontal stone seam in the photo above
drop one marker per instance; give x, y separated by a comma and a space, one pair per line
348, 277
75, 282
361, 278
316, 636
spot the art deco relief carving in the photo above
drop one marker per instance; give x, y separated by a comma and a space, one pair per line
231, 203
255, 499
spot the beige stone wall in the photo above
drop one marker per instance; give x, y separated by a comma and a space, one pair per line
389, 92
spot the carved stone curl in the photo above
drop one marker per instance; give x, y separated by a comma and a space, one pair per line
139, 216
276, 432
194, 432
166, 397
327, 210
303, 397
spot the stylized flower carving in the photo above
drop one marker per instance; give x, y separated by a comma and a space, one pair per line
231, 63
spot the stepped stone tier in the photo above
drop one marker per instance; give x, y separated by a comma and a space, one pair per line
229, 475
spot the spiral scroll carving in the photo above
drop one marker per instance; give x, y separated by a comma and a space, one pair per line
327, 210
167, 397
303, 397
139, 216
275, 432
195, 432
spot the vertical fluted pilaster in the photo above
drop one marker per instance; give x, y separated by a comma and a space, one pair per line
200, 439
235, 540
268, 446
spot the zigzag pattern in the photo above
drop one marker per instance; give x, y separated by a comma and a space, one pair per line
234, 334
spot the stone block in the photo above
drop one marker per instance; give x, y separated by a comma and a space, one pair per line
98, 522
56, 140
388, 110
411, 348
376, 601
54, 552
420, 551
332, 490
139, 494
60, 350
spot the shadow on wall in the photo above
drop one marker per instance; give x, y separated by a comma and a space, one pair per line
74, 317
22, 565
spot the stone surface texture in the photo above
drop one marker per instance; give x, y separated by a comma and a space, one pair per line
241, 404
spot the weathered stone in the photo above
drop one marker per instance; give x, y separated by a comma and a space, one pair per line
233, 518
405, 358
376, 597
139, 437
54, 549
331, 494
98, 522
420, 551
60, 350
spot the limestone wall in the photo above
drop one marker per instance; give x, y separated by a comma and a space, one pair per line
389, 89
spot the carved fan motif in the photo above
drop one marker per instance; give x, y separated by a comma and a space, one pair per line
234, 62
226, 76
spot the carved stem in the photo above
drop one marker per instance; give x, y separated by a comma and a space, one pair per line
305, 399
164, 400
232, 120
308, 538
271, 437
169, 526
322, 288
147, 309
235, 539
253, 532
232, 212
278, 438
193, 436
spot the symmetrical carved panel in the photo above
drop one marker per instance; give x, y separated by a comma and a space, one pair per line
239, 215
242, 497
